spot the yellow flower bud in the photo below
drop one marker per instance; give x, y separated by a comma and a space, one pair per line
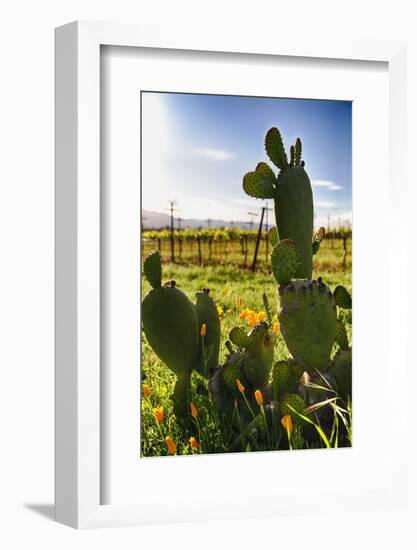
286, 421
194, 412
275, 328
194, 444
259, 397
158, 413
172, 448
240, 386
203, 330
145, 390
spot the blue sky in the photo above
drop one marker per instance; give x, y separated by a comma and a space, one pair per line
196, 149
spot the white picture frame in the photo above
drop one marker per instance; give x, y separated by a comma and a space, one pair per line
78, 265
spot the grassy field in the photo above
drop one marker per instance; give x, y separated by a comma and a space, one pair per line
233, 290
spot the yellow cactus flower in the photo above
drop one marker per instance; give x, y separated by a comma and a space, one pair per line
220, 311
259, 397
252, 319
159, 415
203, 330
275, 328
194, 412
240, 386
260, 316
286, 421
172, 448
194, 444
145, 390
244, 313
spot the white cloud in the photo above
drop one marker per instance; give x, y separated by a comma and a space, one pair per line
327, 184
213, 154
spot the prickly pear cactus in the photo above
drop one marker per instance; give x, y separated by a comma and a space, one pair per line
209, 344
233, 371
170, 324
260, 354
292, 194
293, 401
307, 319
284, 379
285, 260
342, 371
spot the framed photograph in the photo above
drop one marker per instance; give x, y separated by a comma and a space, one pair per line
225, 325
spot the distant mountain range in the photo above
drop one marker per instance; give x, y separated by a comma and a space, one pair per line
158, 220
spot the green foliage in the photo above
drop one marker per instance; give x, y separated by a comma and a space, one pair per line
285, 260
275, 148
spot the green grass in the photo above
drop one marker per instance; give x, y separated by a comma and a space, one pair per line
230, 285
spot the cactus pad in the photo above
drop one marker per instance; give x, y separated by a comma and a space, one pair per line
342, 371
266, 172
273, 236
307, 318
296, 402
341, 338
275, 148
208, 352
294, 214
170, 324
283, 379
342, 297
318, 237
232, 371
238, 337
256, 185
152, 269
285, 260
298, 151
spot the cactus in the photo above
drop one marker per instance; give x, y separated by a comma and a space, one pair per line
284, 379
285, 260
233, 371
293, 401
342, 372
172, 325
308, 322
259, 355
342, 297
341, 338
292, 195
307, 311
209, 345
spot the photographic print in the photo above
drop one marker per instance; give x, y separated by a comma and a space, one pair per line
246, 286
